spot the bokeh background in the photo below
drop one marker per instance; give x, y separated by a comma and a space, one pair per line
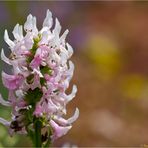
110, 40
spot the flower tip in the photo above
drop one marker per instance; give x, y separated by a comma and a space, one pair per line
63, 37
77, 112
57, 28
48, 13
29, 16
30, 24
70, 49
5, 32
7, 40
75, 89
74, 117
48, 19
6, 35
4, 58
57, 23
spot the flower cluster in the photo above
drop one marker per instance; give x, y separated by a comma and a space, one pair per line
41, 72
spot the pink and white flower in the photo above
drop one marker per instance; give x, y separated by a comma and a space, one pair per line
40, 65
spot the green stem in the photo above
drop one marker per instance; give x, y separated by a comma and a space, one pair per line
37, 140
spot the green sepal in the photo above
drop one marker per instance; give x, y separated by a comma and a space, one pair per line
34, 48
42, 81
46, 70
30, 79
33, 96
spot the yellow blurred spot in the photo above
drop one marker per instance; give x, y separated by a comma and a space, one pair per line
105, 56
133, 86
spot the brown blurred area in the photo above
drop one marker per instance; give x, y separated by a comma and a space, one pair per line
110, 40
111, 74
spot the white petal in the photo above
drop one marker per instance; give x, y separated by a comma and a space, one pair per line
70, 50
3, 102
60, 120
34, 24
72, 95
74, 117
4, 58
34, 21
63, 37
21, 31
48, 21
7, 40
16, 67
63, 58
56, 31
69, 121
19, 93
4, 122
70, 70
38, 72
57, 28
44, 39
16, 32
28, 26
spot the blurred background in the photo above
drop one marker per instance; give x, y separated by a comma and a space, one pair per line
110, 40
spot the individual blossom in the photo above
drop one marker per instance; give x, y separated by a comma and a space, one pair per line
40, 75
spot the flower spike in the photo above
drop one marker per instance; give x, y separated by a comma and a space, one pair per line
41, 73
